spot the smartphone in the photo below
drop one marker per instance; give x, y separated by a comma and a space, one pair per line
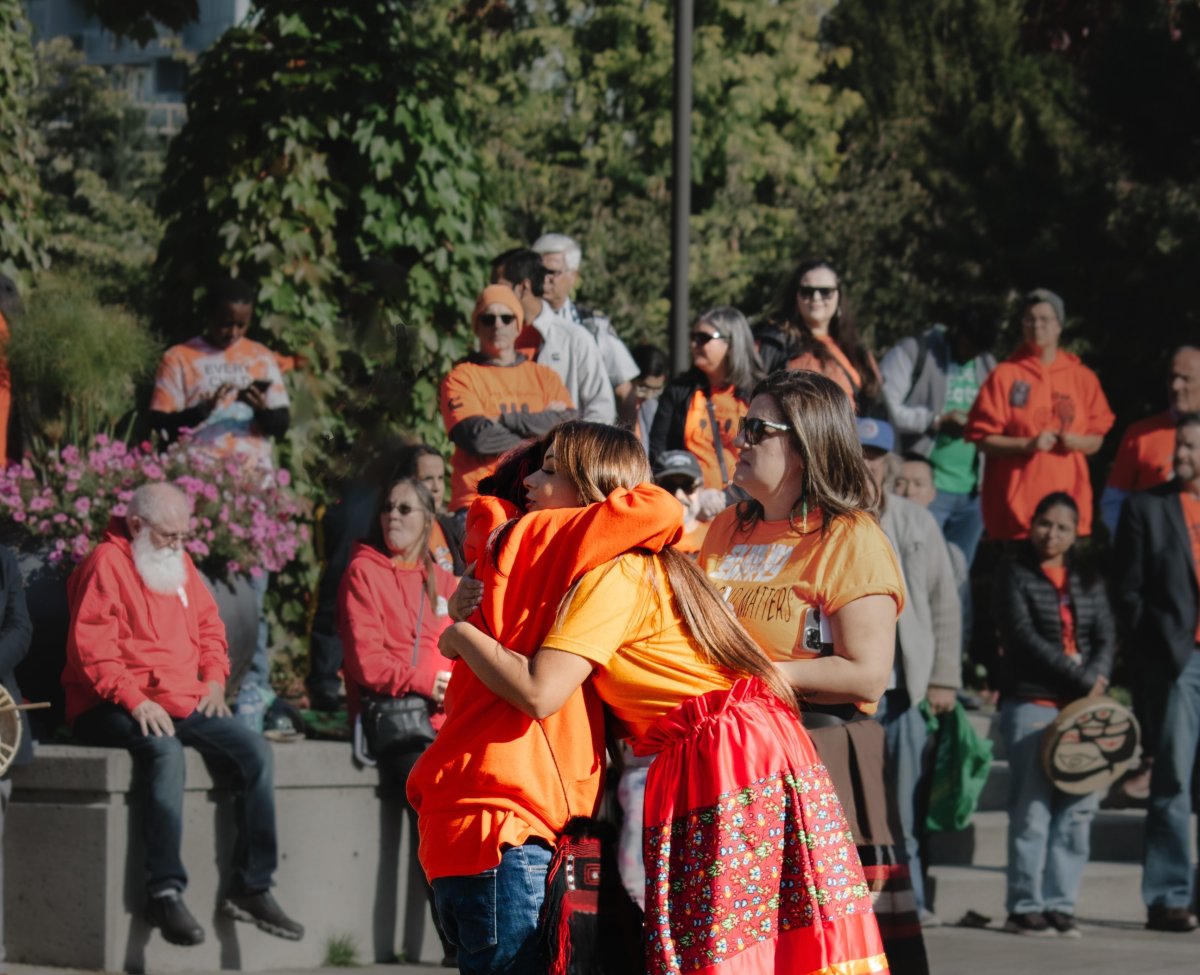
262, 385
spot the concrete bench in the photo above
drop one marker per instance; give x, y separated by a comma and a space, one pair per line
74, 884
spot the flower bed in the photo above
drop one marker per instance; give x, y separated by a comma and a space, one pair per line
244, 521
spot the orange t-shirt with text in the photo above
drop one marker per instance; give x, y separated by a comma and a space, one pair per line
1191, 517
477, 389
784, 583
729, 408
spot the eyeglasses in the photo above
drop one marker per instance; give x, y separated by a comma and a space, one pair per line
752, 429
400, 509
171, 538
703, 338
646, 391
824, 294
490, 320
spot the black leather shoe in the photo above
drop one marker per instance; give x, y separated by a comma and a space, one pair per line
261, 910
170, 915
1178, 919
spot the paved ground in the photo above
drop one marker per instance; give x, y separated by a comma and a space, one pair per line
1107, 947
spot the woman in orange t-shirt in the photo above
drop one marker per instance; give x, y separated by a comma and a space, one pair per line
812, 577
716, 390
669, 659
1058, 639
824, 337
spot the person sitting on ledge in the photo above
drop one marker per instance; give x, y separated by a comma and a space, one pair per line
146, 667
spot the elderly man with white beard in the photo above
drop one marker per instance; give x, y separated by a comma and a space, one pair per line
146, 666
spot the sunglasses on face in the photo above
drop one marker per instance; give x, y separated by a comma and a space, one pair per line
703, 338
400, 509
490, 320
752, 429
824, 294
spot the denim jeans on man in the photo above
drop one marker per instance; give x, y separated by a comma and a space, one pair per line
960, 518
228, 746
1049, 831
492, 916
1167, 863
254, 693
905, 736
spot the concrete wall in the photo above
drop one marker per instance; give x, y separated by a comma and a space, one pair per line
74, 880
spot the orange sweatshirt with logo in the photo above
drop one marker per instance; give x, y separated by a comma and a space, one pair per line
1020, 398
494, 777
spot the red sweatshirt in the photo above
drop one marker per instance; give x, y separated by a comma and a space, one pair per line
377, 612
495, 777
127, 644
1021, 398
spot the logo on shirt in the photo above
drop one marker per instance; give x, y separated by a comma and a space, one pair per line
1018, 396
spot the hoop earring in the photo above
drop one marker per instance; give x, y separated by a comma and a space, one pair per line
804, 515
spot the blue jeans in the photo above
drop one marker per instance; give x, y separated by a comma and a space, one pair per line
1167, 864
159, 764
251, 699
960, 518
1049, 831
905, 737
492, 916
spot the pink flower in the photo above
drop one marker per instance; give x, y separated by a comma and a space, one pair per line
83, 506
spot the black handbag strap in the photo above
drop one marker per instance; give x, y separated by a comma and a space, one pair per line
712, 422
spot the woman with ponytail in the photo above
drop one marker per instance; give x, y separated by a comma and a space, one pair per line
750, 865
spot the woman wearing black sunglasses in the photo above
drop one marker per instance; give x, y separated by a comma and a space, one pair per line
700, 409
392, 607
813, 578
822, 334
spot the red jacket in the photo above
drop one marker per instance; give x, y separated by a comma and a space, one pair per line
377, 612
127, 644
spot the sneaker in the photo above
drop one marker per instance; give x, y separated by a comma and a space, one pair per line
170, 915
928, 919
261, 910
1178, 919
1033, 923
1064, 924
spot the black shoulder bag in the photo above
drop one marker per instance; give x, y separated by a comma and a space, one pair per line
399, 723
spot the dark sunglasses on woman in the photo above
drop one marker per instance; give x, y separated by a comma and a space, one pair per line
806, 291
703, 338
400, 509
752, 429
490, 320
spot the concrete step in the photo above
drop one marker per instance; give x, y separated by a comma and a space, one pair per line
1117, 836
1110, 892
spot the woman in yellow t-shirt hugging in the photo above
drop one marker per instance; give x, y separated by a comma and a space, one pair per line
812, 577
749, 863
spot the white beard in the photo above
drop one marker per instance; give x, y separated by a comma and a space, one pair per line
162, 569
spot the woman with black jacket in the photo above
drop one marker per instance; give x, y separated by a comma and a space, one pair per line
700, 409
1057, 639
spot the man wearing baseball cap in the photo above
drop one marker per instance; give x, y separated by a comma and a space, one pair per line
928, 641
678, 471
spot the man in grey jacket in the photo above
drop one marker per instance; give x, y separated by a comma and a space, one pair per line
928, 638
929, 382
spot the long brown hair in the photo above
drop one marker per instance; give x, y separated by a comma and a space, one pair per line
841, 328
836, 478
376, 536
598, 459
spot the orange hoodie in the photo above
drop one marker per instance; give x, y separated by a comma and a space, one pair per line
493, 776
1021, 398
127, 644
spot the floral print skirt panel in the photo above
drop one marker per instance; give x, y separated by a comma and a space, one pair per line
750, 864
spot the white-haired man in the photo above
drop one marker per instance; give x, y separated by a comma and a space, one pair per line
562, 258
146, 668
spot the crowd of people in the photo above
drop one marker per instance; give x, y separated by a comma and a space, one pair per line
741, 591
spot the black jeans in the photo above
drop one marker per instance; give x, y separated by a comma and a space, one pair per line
229, 746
